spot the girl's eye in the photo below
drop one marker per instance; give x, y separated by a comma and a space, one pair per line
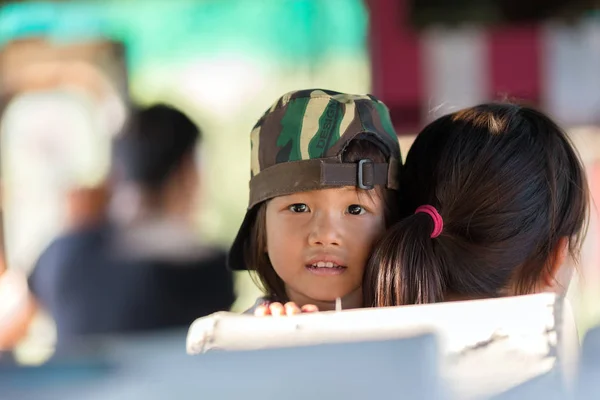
355, 209
299, 208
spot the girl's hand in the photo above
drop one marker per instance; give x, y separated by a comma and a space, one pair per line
277, 309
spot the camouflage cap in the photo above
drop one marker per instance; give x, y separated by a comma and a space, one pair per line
298, 144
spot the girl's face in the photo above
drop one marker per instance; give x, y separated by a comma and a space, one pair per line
318, 243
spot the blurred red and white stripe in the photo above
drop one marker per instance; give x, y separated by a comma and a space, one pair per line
421, 75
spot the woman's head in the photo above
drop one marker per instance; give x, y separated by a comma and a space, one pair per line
323, 168
513, 196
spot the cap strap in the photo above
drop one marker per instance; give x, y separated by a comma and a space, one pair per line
305, 175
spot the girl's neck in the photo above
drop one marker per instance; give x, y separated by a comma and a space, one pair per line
351, 300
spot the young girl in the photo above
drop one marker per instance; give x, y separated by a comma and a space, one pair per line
323, 178
494, 198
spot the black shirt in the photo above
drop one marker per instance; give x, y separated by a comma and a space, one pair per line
90, 289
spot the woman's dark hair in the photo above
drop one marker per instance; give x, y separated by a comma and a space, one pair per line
257, 259
154, 143
508, 184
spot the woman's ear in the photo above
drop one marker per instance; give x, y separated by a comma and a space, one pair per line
557, 276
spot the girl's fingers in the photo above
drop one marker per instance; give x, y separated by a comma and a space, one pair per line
292, 308
309, 308
262, 310
277, 309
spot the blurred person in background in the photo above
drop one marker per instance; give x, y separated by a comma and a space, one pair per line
135, 264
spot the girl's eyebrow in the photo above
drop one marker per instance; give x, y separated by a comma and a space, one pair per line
366, 197
352, 189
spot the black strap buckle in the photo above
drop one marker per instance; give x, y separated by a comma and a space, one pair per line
366, 182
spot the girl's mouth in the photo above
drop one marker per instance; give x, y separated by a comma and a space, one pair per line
326, 268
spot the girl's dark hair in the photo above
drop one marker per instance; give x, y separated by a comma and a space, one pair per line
257, 259
508, 184
154, 143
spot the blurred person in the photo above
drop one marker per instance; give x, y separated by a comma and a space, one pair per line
494, 200
323, 177
136, 265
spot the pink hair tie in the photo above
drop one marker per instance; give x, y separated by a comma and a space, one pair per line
438, 222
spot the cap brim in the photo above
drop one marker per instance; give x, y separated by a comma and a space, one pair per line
235, 258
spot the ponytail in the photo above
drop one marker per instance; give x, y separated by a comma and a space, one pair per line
404, 267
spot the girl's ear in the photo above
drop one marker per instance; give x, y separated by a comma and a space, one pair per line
557, 276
